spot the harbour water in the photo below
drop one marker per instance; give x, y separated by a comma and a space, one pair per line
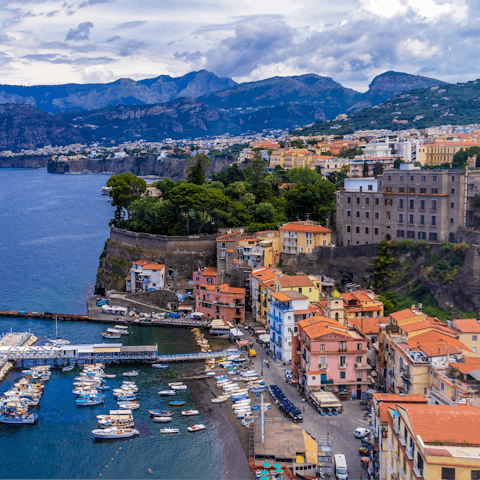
53, 228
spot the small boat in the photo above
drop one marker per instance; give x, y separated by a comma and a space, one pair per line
190, 413
126, 398
110, 335
179, 387
220, 399
117, 331
132, 373
175, 384
19, 418
162, 419
103, 388
129, 406
160, 365
166, 393
67, 369
121, 328
169, 430
114, 432
86, 402
160, 413
177, 403
210, 374
110, 375
196, 428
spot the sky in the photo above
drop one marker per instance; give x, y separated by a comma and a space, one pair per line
351, 41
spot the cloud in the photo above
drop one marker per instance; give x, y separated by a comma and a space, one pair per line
91, 3
113, 39
124, 26
128, 49
82, 32
97, 74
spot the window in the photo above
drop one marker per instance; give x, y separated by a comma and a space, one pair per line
349, 213
343, 361
376, 231
412, 178
358, 199
357, 229
400, 203
224, 245
422, 219
323, 362
357, 214
376, 214
410, 234
367, 201
410, 219
342, 375
475, 474
474, 338
424, 178
412, 204
348, 228
401, 233
366, 230
434, 178
370, 187
359, 376
422, 235
400, 218
349, 199
401, 178
422, 204
433, 236
452, 190
389, 178
299, 290
376, 201
423, 190
359, 347
451, 220
448, 473
322, 347
367, 214
434, 204
198, 279
452, 205
411, 190
343, 346
434, 191
389, 190
434, 220
453, 179
401, 190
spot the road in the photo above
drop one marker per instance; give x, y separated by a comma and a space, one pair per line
340, 427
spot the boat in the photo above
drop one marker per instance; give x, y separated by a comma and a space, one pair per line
120, 327
220, 399
110, 375
18, 417
196, 428
177, 403
88, 401
179, 387
114, 432
67, 369
175, 384
166, 393
162, 419
114, 412
250, 373
160, 365
160, 413
210, 374
111, 335
190, 413
126, 398
132, 373
106, 190
169, 430
116, 331
129, 406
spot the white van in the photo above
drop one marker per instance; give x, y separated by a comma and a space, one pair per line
341, 471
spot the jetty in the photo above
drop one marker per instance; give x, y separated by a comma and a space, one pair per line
12, 340
188, 357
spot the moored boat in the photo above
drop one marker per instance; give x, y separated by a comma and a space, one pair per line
110, 335
190, 413
169, 430
18, 417
196, 428
166, 393
160, 413
220, 399
132, 373
179, 387
86, 402
67, 369
160, 365
114, 432
162, 419
129, 406
177, 403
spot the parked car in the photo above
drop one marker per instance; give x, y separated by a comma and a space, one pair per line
361, 432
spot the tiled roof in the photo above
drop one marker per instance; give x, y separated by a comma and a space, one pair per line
468, 325
429, 342
469, 365
304, 227
367, 325
394, 398
292, 281
289, 295
229, 250
316, 327
210, 272
153, 266
141, 262
227, 236
444, 423
414, 326
404, 314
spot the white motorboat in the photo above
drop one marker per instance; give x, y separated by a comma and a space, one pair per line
67, 369
196, 428
190, 413
162, 419
169, 430
179, 387
114, 432
175, 384
132, 373
111, 335
166, 393
116, 331
162, 366
220, 399
250, 373
110, 375
129, 406
210, 374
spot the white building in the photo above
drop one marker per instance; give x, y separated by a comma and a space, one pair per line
287, 308
144, 276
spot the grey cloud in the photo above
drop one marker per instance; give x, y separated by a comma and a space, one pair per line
66, 46
130, 48
124, 26
470, 33
90, 3
82, 32
113, 39
52, 13
169, 44
64, 59
41, 57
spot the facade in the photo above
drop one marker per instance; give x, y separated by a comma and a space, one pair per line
260, 250
309, 286
205, 276
303, 237
262, 284
329, 355
221, 302
145, 276
417, 205
438, 153
287, 308
468, 332
433, 442
357, 164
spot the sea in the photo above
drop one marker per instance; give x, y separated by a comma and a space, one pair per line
52, 231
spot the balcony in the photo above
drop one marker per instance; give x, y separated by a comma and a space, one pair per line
326, 382
390, 446
417, 471
402, 441
401, 471
298, 351
409, 453
342, 366
396, 427
361, 366
390, 469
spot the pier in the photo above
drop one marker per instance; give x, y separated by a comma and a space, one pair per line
12, 340
188, 357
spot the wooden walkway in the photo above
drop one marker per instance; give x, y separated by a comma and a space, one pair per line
188, 357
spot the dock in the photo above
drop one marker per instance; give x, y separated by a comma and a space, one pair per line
188, 357
12, 340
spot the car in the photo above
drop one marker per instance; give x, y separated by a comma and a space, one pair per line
361, 432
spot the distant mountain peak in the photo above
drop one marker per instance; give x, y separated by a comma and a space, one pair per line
402, 81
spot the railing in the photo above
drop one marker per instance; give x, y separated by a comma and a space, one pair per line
396, 427
390, 469
409, 452
401, 471
390, 446
417, 471
402, 441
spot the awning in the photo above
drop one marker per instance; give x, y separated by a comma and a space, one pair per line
265, 338
185, 307
197, 314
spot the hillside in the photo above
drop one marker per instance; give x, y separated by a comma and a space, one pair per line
61, 98
448, 104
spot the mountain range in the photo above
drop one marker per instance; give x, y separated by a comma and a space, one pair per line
197, 104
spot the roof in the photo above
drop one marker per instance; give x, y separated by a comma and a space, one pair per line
229, 250
141, 262
316, 327
209, 272
310, 227
227, 236
292, 281
468, 325
394, 398
367, 325
405, 314
153, 266
288, 295
445, 423
431, 341
469, 365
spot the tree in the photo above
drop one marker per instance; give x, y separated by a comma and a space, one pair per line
126, 187
377, 169
397, 162
303, 176
152, 215
248, 200
216, 184
234, 174
264, 213
460, 158
281, 172
164, 186
365, 169
255, 172
196, 172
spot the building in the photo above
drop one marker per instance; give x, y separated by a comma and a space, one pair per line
356, 165
419, 205
329, 164
468, 332
260, 250
303, 237
310, 286
287, 308
438, 153
433, 442
204, 276
262, 284
145, 275
329, 355
221, 302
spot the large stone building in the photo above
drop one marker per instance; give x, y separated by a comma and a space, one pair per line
418, 205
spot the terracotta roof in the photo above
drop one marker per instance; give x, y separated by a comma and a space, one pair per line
469, 365
153, 266
384, 415
302, 312
210, 272
367, 325
227, 235
468, 325
405, 314
394, 398
414, 326
229, 250
141, 262
281, 297
289, 295
429, 343
316, 327
292, 281
444, 423
310, 227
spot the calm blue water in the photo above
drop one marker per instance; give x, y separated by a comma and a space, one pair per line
52, 231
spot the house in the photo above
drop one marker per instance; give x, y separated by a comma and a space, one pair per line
145, 275
468, 330
262, 284
329, 355
259, 250
287, 308
433, 442
221, 302
309, 286
204, 276
303, 237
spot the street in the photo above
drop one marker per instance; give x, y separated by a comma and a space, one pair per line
340, 427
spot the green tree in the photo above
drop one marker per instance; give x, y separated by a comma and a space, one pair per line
196, 172
216, 184
282, 173
303, 176
234, 174
365, 169
397, 162
164, 186
255, 172
377, 169
264, 213
460, 158
248, 200
126, 187
152, 215
388, 305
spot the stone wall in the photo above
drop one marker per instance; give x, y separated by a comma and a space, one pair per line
158, 301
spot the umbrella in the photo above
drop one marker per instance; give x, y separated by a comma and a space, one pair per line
279, 470
264, 472
277, 465
264, 477
266, 465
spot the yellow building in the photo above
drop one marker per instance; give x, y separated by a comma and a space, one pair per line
262, 284
301, 284
468, 330
432, 442
303, 237
437, 153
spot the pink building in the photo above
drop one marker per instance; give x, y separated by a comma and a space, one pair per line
327, 355
221, 301
205, 276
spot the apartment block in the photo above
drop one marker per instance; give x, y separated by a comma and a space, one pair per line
417, 205
144, 276
435, 154
303, 237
